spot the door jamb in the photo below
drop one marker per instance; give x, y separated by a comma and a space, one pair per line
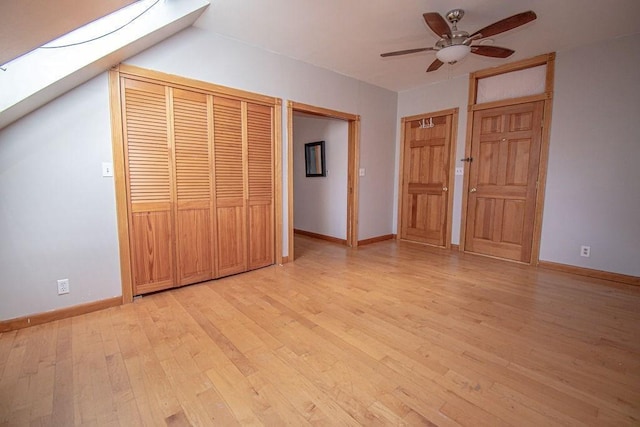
352, 167
453, 112
547, 98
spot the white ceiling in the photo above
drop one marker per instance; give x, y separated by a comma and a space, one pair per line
348, 36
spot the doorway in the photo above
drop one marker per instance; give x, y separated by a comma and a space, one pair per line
353, 149
426, 177
320, 187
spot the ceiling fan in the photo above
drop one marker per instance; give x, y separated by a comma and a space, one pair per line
455, 44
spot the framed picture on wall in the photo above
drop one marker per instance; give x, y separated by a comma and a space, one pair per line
314, 159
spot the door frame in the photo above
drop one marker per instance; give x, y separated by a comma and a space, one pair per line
547, 97
453, 112
353, 161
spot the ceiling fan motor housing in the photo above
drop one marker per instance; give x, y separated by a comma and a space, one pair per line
455, 15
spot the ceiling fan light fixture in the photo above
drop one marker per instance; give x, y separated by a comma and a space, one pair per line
453, 53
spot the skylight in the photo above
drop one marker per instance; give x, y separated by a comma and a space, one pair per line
35, 78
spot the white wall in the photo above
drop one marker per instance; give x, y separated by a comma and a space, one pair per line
57, 212
377, 147
593, 182
197, 54
320, 203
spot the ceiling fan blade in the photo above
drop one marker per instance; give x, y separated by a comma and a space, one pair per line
438, 25
435, 65
405, 52
506, 24
492, 51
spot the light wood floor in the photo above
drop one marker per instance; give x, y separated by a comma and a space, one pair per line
389, 334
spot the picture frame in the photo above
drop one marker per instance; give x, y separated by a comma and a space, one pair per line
314, 159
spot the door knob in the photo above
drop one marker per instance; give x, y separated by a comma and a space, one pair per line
445, 189
473, 190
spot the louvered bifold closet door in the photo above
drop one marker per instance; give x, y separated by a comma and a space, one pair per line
148, 164
231, 236
193, 178
260, 185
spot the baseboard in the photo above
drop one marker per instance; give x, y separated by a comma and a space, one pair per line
376, 239
285, 259
63, 313
320, 236
598, 274
454, 247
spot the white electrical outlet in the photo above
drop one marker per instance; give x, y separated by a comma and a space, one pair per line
63, 286
585, 251
459, 171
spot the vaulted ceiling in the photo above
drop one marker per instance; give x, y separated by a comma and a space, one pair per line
348, 36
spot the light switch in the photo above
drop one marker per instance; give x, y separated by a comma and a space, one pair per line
107, 169
460, 171
361, 172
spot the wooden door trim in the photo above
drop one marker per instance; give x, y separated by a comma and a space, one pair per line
119, 174
547, 98
353, 162
403, 121
452, 175
511, 102
277, 199
516, 66
439, 113
144, 74
453, 112
353, 187
119, 164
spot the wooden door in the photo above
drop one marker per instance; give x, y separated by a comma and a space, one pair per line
230, 200
149, 189
193, 178
505, 152
425, 182
260, 185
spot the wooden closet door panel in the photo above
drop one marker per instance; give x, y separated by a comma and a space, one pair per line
230, 200
260, 185
260, 234
231, 250
193, 187
147, 161
152, 256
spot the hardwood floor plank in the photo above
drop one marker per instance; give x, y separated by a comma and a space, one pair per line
392, 333
63, 411
218, 411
